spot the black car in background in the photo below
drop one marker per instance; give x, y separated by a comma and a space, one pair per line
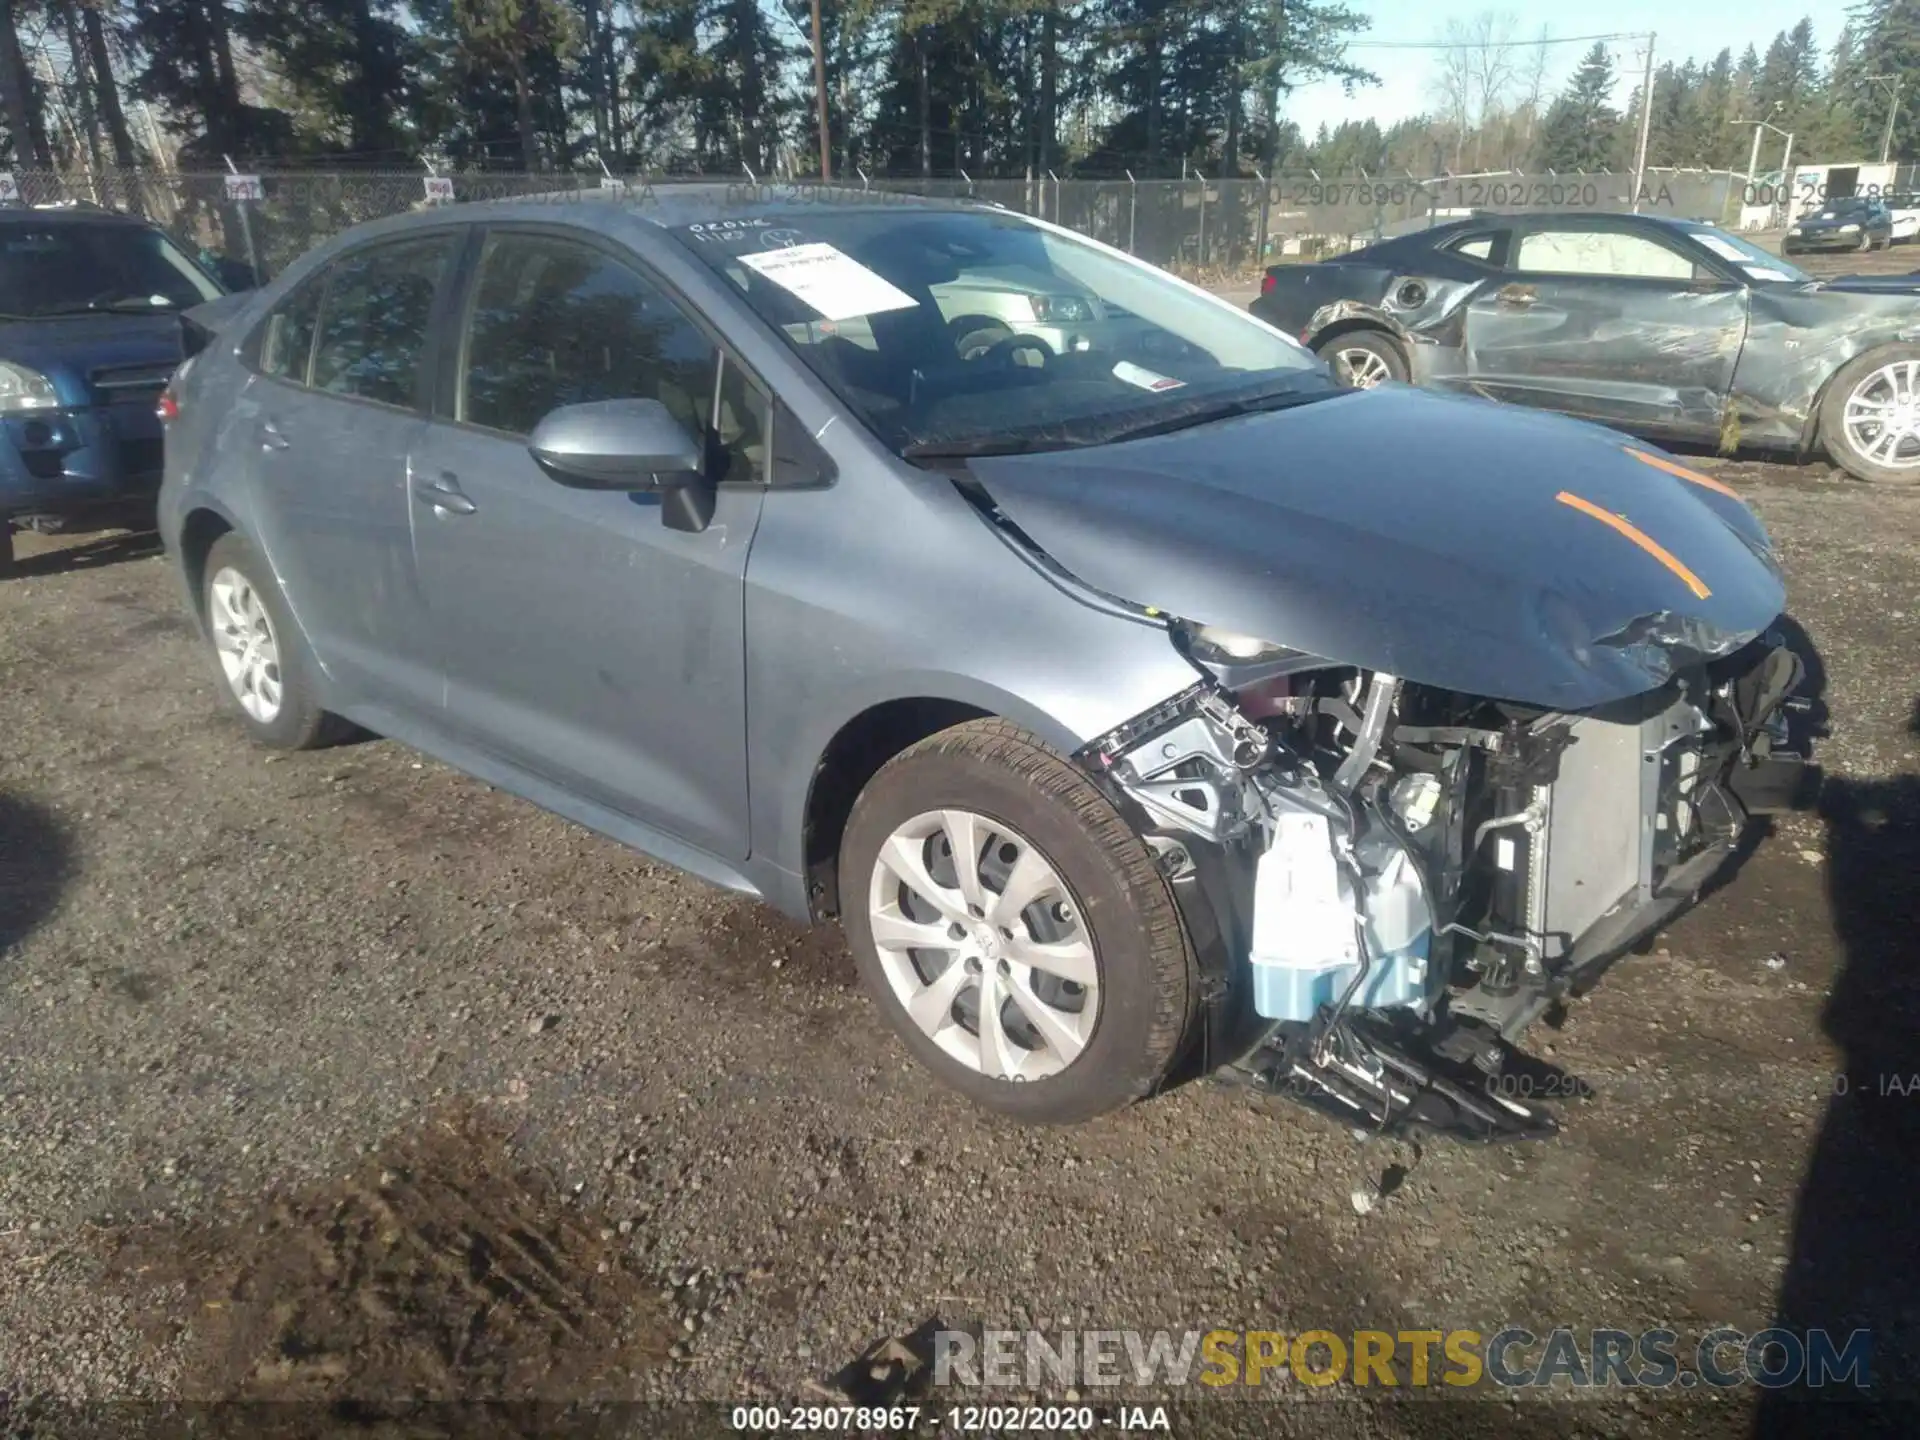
92, 325
1854, 222
1672, 329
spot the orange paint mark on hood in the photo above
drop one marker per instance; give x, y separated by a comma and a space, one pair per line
1639, 537
1693, 477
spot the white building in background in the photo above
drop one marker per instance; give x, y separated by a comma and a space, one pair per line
1815, 185
1769, 203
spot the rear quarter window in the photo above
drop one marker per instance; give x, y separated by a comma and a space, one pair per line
282, 346
1487, 247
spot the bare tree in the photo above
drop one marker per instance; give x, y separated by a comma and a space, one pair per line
1453, 93
1476, 76
1533, 85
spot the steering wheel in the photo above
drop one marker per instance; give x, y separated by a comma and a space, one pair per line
1002, 351
1163, 346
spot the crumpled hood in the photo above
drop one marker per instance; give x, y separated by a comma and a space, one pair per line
1453, 542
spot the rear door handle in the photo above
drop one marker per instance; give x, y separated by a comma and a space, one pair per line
1517, 295
443, 493
271, 438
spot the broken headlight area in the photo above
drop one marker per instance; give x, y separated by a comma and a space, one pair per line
1387, 883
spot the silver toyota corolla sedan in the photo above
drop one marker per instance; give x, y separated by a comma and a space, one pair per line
1140, 706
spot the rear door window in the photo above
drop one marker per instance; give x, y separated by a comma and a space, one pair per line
372, 330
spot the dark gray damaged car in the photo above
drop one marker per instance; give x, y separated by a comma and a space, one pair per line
1139, 700
1672, 329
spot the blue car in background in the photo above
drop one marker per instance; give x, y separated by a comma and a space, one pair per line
92, 323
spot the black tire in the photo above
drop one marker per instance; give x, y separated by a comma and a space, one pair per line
974, 335
1833, 408
1373, 342
1147, 979
6, 550
300, 723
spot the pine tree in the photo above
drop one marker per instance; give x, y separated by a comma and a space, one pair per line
1890, 45
518, 39
1580, 126
352, 70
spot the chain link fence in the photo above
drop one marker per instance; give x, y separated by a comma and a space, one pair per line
1197, 226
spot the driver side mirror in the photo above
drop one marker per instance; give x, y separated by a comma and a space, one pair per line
627, 445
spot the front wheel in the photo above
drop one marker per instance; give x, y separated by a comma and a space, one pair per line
1013, 928
1870, 418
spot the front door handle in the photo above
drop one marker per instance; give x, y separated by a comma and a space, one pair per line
1520, 296
443, 493
271, 438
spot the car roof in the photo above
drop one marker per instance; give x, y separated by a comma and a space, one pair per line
650, 206
67, 215
674, 203
1483, 219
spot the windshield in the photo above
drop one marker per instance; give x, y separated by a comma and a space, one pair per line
1749, 258
960, 332
69, 267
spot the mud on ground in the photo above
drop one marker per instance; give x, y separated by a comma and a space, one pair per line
340, 1077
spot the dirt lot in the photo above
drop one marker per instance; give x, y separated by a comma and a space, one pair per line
340, 1077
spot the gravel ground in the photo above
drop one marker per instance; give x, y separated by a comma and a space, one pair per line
340, 1076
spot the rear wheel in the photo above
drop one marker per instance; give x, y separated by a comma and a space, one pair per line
267, 673
1362, 359
1013, 928
6, 549
1870, 418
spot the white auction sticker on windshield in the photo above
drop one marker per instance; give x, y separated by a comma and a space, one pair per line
1725, 249
1146, 379
1766, 272
834, 283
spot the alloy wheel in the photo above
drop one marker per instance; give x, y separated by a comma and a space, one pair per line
1882, 416
1360, 369
984, 945
244, 639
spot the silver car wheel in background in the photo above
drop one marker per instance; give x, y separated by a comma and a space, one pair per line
983, 945
1360, 369
244, 639
1882, 416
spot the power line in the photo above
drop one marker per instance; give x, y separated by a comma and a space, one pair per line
1489, 44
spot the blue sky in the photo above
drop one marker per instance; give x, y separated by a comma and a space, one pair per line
1690, 28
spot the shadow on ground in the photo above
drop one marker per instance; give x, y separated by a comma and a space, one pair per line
36, 861
92, 555
1855, 1257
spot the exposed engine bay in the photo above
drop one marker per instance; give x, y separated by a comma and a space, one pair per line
1388, 883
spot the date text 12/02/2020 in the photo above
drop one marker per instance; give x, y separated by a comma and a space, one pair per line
955, 1419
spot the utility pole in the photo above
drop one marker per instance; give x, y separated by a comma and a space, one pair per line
1646, 124
1782, 195
820, 94
1892, 82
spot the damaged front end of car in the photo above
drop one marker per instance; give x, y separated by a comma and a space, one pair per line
1386, 882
